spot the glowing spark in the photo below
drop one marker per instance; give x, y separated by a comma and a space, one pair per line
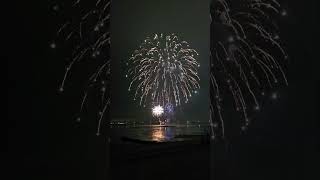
157, 111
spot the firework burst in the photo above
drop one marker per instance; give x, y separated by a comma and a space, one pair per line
164, 70
157, 111
247, 59
245, 56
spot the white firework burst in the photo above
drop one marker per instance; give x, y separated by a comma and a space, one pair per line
163, 70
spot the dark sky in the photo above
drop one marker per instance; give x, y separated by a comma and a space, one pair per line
133, 21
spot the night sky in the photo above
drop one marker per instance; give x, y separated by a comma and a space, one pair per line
132, 22
44, 142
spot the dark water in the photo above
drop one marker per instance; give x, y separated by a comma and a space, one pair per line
158, 133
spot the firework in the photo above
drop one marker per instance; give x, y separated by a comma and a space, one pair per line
163, 70
157, 111
169, 109
247, 59
245, 56
87, 35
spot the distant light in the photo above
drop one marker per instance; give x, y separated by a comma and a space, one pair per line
56, 8
157, 111
230, 39
274, 96
53, 45
284, 13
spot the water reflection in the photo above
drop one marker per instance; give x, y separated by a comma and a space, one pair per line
157, 133
161, 134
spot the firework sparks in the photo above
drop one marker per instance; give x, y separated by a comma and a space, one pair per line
245, 60
88, 36
245, 57
164, 70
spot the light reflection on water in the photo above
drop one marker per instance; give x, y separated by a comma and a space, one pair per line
161, 134
157, 133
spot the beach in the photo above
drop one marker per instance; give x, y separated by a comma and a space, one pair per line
160, 153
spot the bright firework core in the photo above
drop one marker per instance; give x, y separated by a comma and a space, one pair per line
157, 111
